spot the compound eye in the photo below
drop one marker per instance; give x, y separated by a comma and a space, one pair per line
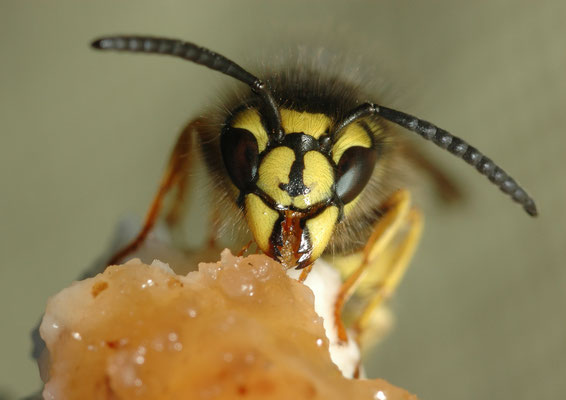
354, 171
240, 155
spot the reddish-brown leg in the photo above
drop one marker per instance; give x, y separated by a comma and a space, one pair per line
244, 249
305, 272
174, 176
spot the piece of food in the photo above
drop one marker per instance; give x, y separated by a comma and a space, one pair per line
238, 328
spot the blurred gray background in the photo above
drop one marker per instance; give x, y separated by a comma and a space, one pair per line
85, 136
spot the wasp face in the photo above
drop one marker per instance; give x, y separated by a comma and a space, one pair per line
293, 191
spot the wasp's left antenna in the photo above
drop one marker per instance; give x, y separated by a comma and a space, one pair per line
199, 55
447, 141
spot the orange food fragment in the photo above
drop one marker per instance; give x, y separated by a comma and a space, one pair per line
238, 328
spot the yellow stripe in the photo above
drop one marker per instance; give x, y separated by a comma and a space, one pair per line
320, 229
250, 120
273, 171
261, 220
318, 177
354, 135
292, 121
314, 125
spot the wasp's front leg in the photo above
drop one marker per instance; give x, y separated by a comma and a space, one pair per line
382, 262
175, 176
398, 258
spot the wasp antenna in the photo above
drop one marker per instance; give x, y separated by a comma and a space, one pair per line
447, 141
199, 55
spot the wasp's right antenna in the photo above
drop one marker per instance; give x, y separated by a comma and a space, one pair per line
198, 55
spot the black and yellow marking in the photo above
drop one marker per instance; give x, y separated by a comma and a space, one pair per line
274, 171
261, 219
298, 177
354, 135
250, 120
312, 124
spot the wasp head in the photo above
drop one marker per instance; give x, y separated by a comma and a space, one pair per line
295, 190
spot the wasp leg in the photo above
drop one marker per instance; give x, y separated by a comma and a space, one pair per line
245, 249
399, 260
395, 210
305, 272
175, 176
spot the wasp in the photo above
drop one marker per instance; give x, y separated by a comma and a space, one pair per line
307, 162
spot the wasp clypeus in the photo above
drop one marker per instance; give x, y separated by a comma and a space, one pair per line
308, 164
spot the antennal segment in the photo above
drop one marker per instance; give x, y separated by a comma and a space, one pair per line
447, 141
198, 55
